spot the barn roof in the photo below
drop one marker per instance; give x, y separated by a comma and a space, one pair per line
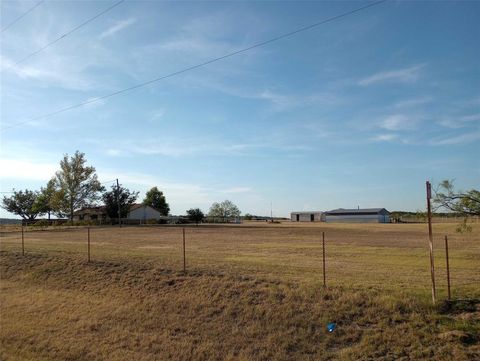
355, 211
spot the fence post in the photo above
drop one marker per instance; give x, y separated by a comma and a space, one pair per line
23, 242
448, 267
88, 248
184, 262
324, 275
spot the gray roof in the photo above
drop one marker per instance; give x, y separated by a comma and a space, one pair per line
343, 211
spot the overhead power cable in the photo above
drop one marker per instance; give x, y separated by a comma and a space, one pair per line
69, 32
21, 16
140, 85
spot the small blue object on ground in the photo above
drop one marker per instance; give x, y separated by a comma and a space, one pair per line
331, 326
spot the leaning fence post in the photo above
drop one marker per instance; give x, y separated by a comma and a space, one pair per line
88, 244
184, 262
23, 242
448, 267
324, 275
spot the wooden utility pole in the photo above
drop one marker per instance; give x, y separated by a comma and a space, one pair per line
430, 237
324, 275
184, 261
448, 267
118, 204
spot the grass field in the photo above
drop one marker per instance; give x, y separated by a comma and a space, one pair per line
251, 292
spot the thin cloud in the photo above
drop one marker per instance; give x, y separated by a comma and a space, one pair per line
119, 25
398, 122
405, 75
384, 137
461, 139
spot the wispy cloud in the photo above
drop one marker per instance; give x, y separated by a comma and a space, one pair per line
464, 138
414, 102
118, 26
404, 75
459, 121
399, 122
384, 137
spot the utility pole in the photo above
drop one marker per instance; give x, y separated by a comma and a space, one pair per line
271, 212
118, 204
430, 237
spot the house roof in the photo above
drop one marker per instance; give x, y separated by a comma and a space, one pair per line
361, 211
85, 210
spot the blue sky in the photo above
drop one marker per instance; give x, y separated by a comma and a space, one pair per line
359, 111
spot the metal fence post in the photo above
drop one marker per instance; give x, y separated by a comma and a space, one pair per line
324, 275
184, 261
448, 266
23, 242
88, 247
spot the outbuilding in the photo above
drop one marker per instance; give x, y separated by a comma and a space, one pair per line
312, 216
366, 215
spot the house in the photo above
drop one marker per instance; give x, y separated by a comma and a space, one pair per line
90, 214
137, 212
312, 216
367, 215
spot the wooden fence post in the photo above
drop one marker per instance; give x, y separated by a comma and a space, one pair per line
448, 267
324, 275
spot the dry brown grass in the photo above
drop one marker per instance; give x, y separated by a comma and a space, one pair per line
252, 292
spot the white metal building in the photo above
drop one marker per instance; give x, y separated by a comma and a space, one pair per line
312, 216
142, 212
367, 215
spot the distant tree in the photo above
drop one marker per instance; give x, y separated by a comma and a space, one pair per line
155, 198
195, 215
45, 200
22, 203
76, 185
463, 203
118, 195
248, 217
225, 210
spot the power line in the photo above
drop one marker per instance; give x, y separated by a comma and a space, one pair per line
69, 32
140, 85
21, 16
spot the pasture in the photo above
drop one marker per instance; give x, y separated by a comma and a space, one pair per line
251, 292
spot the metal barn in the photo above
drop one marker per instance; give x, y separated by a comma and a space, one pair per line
367, 215
313, 216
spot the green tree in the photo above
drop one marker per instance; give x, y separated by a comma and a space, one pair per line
45, 200
76, 185
155, 198
118, 195
463, 203
225, 210
195, 215
22, 203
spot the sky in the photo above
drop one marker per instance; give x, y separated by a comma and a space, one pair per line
359, 111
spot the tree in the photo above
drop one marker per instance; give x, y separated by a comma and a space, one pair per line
45, 200
76, 185
22, 203
195, 215
225, 210
463, 203
118, 195
155, 198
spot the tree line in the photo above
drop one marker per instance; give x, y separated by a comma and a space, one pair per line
75, 186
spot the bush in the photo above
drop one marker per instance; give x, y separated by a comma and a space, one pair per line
41, 223
151, 221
